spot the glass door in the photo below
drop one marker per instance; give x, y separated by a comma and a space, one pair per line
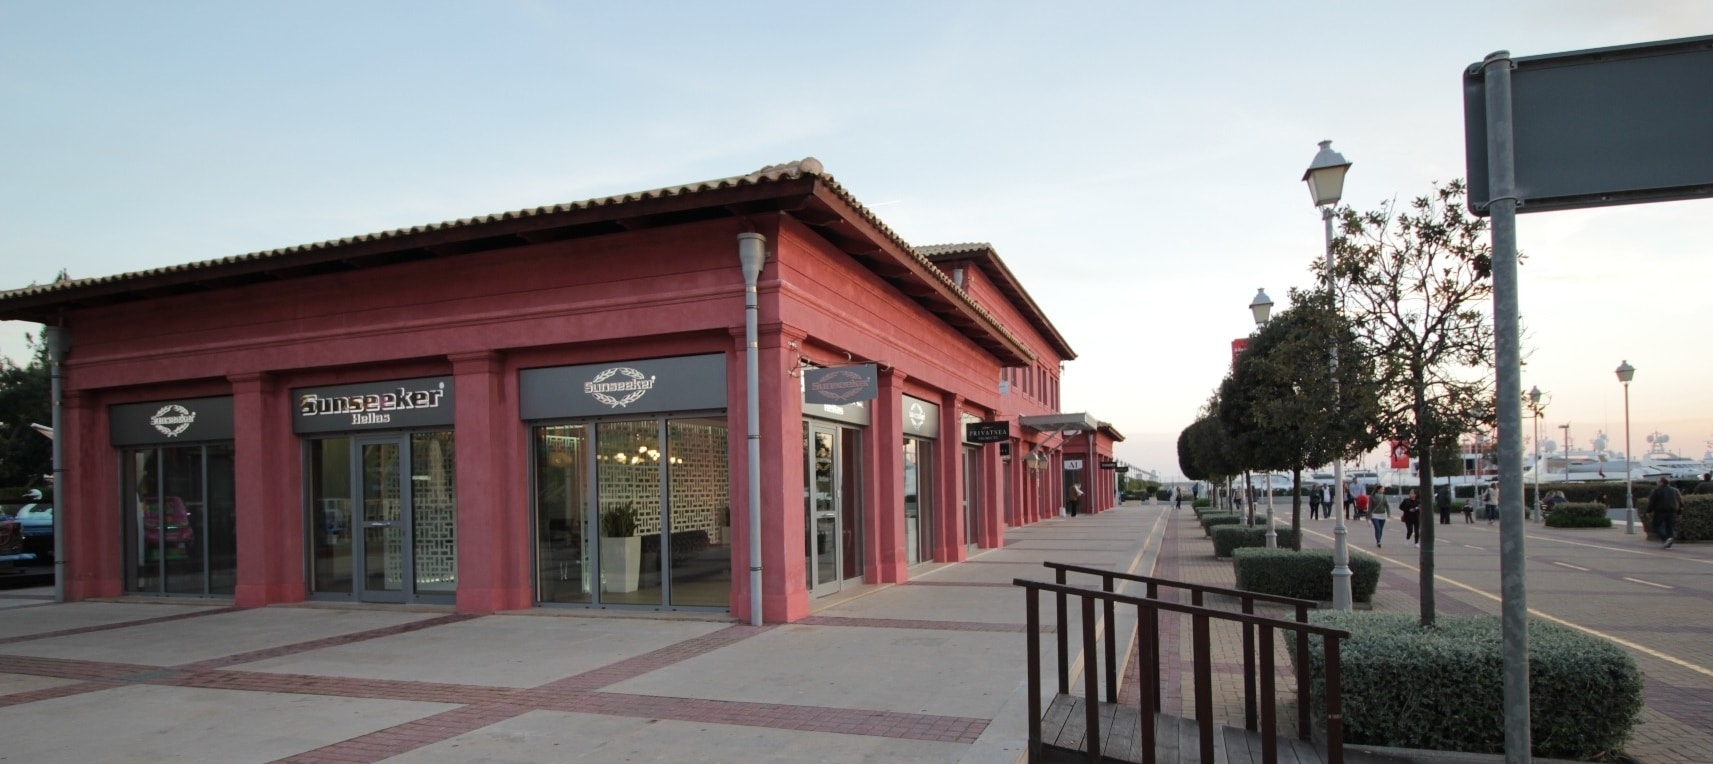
382, 540
972, 480
821, 508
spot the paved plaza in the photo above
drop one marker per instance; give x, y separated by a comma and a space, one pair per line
929, 671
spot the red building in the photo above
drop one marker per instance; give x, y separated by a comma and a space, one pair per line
550, 407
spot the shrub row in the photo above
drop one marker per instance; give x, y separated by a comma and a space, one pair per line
1211, 519
1694, 523
1227, 538
1443, 688
1306, 574
1590, 515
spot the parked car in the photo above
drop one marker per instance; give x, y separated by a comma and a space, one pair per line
36, 527
12, 543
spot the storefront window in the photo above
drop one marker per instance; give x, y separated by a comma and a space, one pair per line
700, 517
180, 519
561, 513
330, 515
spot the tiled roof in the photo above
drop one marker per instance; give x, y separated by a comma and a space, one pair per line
1008, 284
65, 291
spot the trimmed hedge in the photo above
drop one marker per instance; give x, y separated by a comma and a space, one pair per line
1592, 515
1199, 503
1443, 688
1210, 519
1230, 537
1694, 523
1306, 574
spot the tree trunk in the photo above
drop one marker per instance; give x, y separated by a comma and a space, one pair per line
1297, 507
1424, 493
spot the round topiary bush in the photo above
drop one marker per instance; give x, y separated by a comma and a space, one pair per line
1592, 515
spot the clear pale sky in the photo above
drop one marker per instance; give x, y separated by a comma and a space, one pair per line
1136, 164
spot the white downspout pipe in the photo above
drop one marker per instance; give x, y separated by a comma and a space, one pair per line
752, 252
59, 340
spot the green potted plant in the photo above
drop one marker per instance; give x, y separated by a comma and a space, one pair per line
621, 549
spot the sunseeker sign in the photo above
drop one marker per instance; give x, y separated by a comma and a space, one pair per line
175, 421
638, 386
420, 402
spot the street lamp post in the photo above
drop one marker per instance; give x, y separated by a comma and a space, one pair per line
1262, 308
1626, 372
1325, 177
1535, 407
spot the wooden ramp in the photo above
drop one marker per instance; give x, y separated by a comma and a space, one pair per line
1064, 736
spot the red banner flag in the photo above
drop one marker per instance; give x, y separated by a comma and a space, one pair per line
1400, 455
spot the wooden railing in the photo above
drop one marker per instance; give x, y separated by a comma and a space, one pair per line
1257, 701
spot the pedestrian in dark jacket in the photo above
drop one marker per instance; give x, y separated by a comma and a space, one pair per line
1411, 511
1442, 502
1664, 504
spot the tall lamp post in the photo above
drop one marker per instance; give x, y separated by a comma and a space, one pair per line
1262, 308
1535, 407
1626, 372
1325, 177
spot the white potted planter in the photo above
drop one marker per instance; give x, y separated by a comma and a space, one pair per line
621, 563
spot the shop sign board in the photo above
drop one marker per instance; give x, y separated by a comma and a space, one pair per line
170, 421
840, 385
921, 418
389, 405
1073, 464
987, 432
681, 383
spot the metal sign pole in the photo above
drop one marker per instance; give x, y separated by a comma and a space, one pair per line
1501, 158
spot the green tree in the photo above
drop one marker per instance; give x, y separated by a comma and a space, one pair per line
25, 456
1280, 405
1417, 285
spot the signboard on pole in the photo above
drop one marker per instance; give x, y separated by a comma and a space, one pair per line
1596, 128
839, 385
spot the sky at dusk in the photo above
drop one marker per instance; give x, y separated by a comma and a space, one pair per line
1136, 164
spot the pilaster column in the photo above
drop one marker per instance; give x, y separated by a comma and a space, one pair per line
883, 485
267, 480
92, 547
492, 523
949, 530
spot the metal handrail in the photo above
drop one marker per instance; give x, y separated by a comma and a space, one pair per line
1247, 600
1148, 609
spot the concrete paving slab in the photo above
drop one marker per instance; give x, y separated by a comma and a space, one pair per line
142, 724
11, 684
589, 739
495, 651
946, 673
978, 604
78, 615
216, 636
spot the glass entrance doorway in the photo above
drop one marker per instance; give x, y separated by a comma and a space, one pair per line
382, 512
972, 482
832, 507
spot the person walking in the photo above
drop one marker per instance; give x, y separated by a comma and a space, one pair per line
1490, 503
1378, 514
1410, 511
1442, 502
1350, 493
1664, 504
1074, 498
1314, 503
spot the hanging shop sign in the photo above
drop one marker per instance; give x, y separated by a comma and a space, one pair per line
840, 385
1108, 464
987, 432
171, 421
681, 383
394, 404
921, 418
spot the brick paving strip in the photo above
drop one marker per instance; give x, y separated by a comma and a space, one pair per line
904, 623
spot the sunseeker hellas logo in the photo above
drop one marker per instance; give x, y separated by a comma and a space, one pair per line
918, 415
172, 420
634, 385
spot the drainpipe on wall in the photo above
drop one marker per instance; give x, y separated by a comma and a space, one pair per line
59, 340
752, 253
